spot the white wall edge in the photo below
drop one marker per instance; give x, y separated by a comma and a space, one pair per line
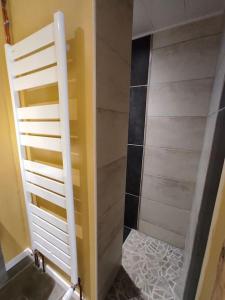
49, 270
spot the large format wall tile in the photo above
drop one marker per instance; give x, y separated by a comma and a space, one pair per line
131, 211
171, 218
110, 14
112, 128
109, 225
113, 53
182, 78
189, 60
171, 163
140, 61
109, 264
176, 132
137, 115
134, 165
184, 98
113, 92
187, 32
111, 184
171, 192
162, 234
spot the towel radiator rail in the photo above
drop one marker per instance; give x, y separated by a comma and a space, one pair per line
39, 60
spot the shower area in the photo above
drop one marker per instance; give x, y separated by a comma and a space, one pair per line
176, 91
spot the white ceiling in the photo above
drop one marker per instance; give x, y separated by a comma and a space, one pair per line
154, 15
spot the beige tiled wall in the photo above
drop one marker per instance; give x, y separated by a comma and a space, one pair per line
182, 72
214, 112
113, 49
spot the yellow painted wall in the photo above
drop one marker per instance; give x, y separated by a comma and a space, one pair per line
13, 230
214, 245
28, 16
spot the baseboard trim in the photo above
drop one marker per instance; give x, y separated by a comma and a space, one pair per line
15, 260
64, 284
49, 270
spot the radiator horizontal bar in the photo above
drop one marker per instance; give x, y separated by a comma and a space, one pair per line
46, 183
48, 217
33, 62
33, 42
58, 262
47, 143
36, 79
39, 112
51, 248
45, 170
50, 228
49, 196
51, 238
45, 128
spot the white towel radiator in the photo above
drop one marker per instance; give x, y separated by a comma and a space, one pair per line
36, 61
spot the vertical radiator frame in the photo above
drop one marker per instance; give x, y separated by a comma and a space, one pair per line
58, 35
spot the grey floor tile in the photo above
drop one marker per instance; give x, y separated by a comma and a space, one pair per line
151, 269
14, 271
31, 284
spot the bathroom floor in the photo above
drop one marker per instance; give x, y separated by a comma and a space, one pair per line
151, 269
30, 283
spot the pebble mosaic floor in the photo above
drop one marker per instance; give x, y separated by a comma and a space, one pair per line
151, 269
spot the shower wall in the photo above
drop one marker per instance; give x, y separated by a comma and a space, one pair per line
183, 63
113, 49
209, 173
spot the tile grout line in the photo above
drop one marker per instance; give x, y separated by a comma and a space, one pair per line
167, 178
140, 85
162, 227
173, 149
136, 145
166, 204
171, 82
189, 40
137, 196
178, 116
182, 80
